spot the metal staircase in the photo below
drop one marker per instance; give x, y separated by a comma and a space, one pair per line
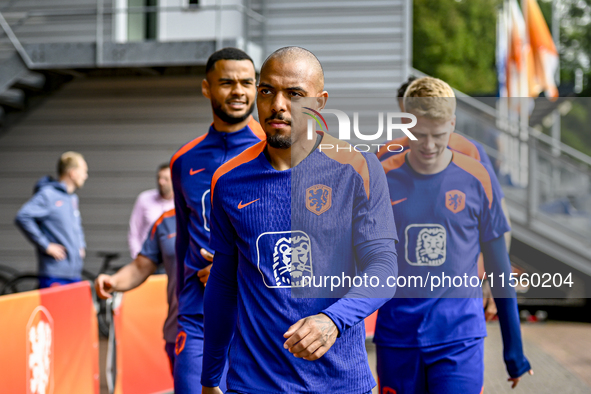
80, 34
550, 211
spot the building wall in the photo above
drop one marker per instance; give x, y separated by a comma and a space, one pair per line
364, 46
182, 25
125, 128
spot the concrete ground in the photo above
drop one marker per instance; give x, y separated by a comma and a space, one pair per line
560, 354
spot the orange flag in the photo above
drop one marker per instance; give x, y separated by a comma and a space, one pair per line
545, 55
518, 58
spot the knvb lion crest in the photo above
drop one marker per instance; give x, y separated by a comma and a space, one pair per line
426, 244
431, 246
455, 200
318, 199
291, 260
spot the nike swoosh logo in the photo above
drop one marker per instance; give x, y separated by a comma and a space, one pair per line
196, 171
398, 201
240, 206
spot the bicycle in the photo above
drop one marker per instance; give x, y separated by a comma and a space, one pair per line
6, 275
16, 284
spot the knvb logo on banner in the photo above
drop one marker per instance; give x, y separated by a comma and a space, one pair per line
40, 352
284, 258
345, 128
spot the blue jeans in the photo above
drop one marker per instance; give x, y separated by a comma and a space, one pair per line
47, 281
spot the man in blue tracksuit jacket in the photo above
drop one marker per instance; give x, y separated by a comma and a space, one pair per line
51, 221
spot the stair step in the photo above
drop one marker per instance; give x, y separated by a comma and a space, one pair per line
31, 80
14, 98
11, 68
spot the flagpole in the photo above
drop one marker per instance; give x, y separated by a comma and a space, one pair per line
526, 176
506, 155
500, 54
528, 146
556, 34
556, 126
512, 157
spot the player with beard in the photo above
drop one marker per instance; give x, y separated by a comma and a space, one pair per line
287, 211
230, 86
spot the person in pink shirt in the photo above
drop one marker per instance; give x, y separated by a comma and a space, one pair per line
149, 206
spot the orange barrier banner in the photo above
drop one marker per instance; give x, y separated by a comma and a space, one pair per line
49, 341
142, 363
370, 324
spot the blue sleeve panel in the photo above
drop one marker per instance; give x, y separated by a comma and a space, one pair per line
496, 260
182, 227
377, 258
220, 315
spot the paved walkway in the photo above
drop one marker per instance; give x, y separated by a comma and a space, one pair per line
560, 354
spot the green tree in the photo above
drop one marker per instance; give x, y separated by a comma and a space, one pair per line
455, 40
574, 47
574, 50
575, 41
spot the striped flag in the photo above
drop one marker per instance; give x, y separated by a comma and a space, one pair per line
502, 51
518, 52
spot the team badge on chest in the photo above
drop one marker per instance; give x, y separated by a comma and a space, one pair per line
426, 244
318, 199
455, 201
285, 259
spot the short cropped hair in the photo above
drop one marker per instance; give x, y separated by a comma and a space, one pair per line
163, 166
431, 98
226, 54
67, 161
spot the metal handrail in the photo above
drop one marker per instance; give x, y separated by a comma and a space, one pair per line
93, 11
569, 150
15, 42
490, 111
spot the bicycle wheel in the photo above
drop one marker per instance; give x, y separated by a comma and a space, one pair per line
3, 280
21, 283
8, 272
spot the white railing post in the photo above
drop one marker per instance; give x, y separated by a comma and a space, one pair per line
218, 26
532, 183
99, 31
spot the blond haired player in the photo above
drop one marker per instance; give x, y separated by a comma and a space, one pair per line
447, 208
